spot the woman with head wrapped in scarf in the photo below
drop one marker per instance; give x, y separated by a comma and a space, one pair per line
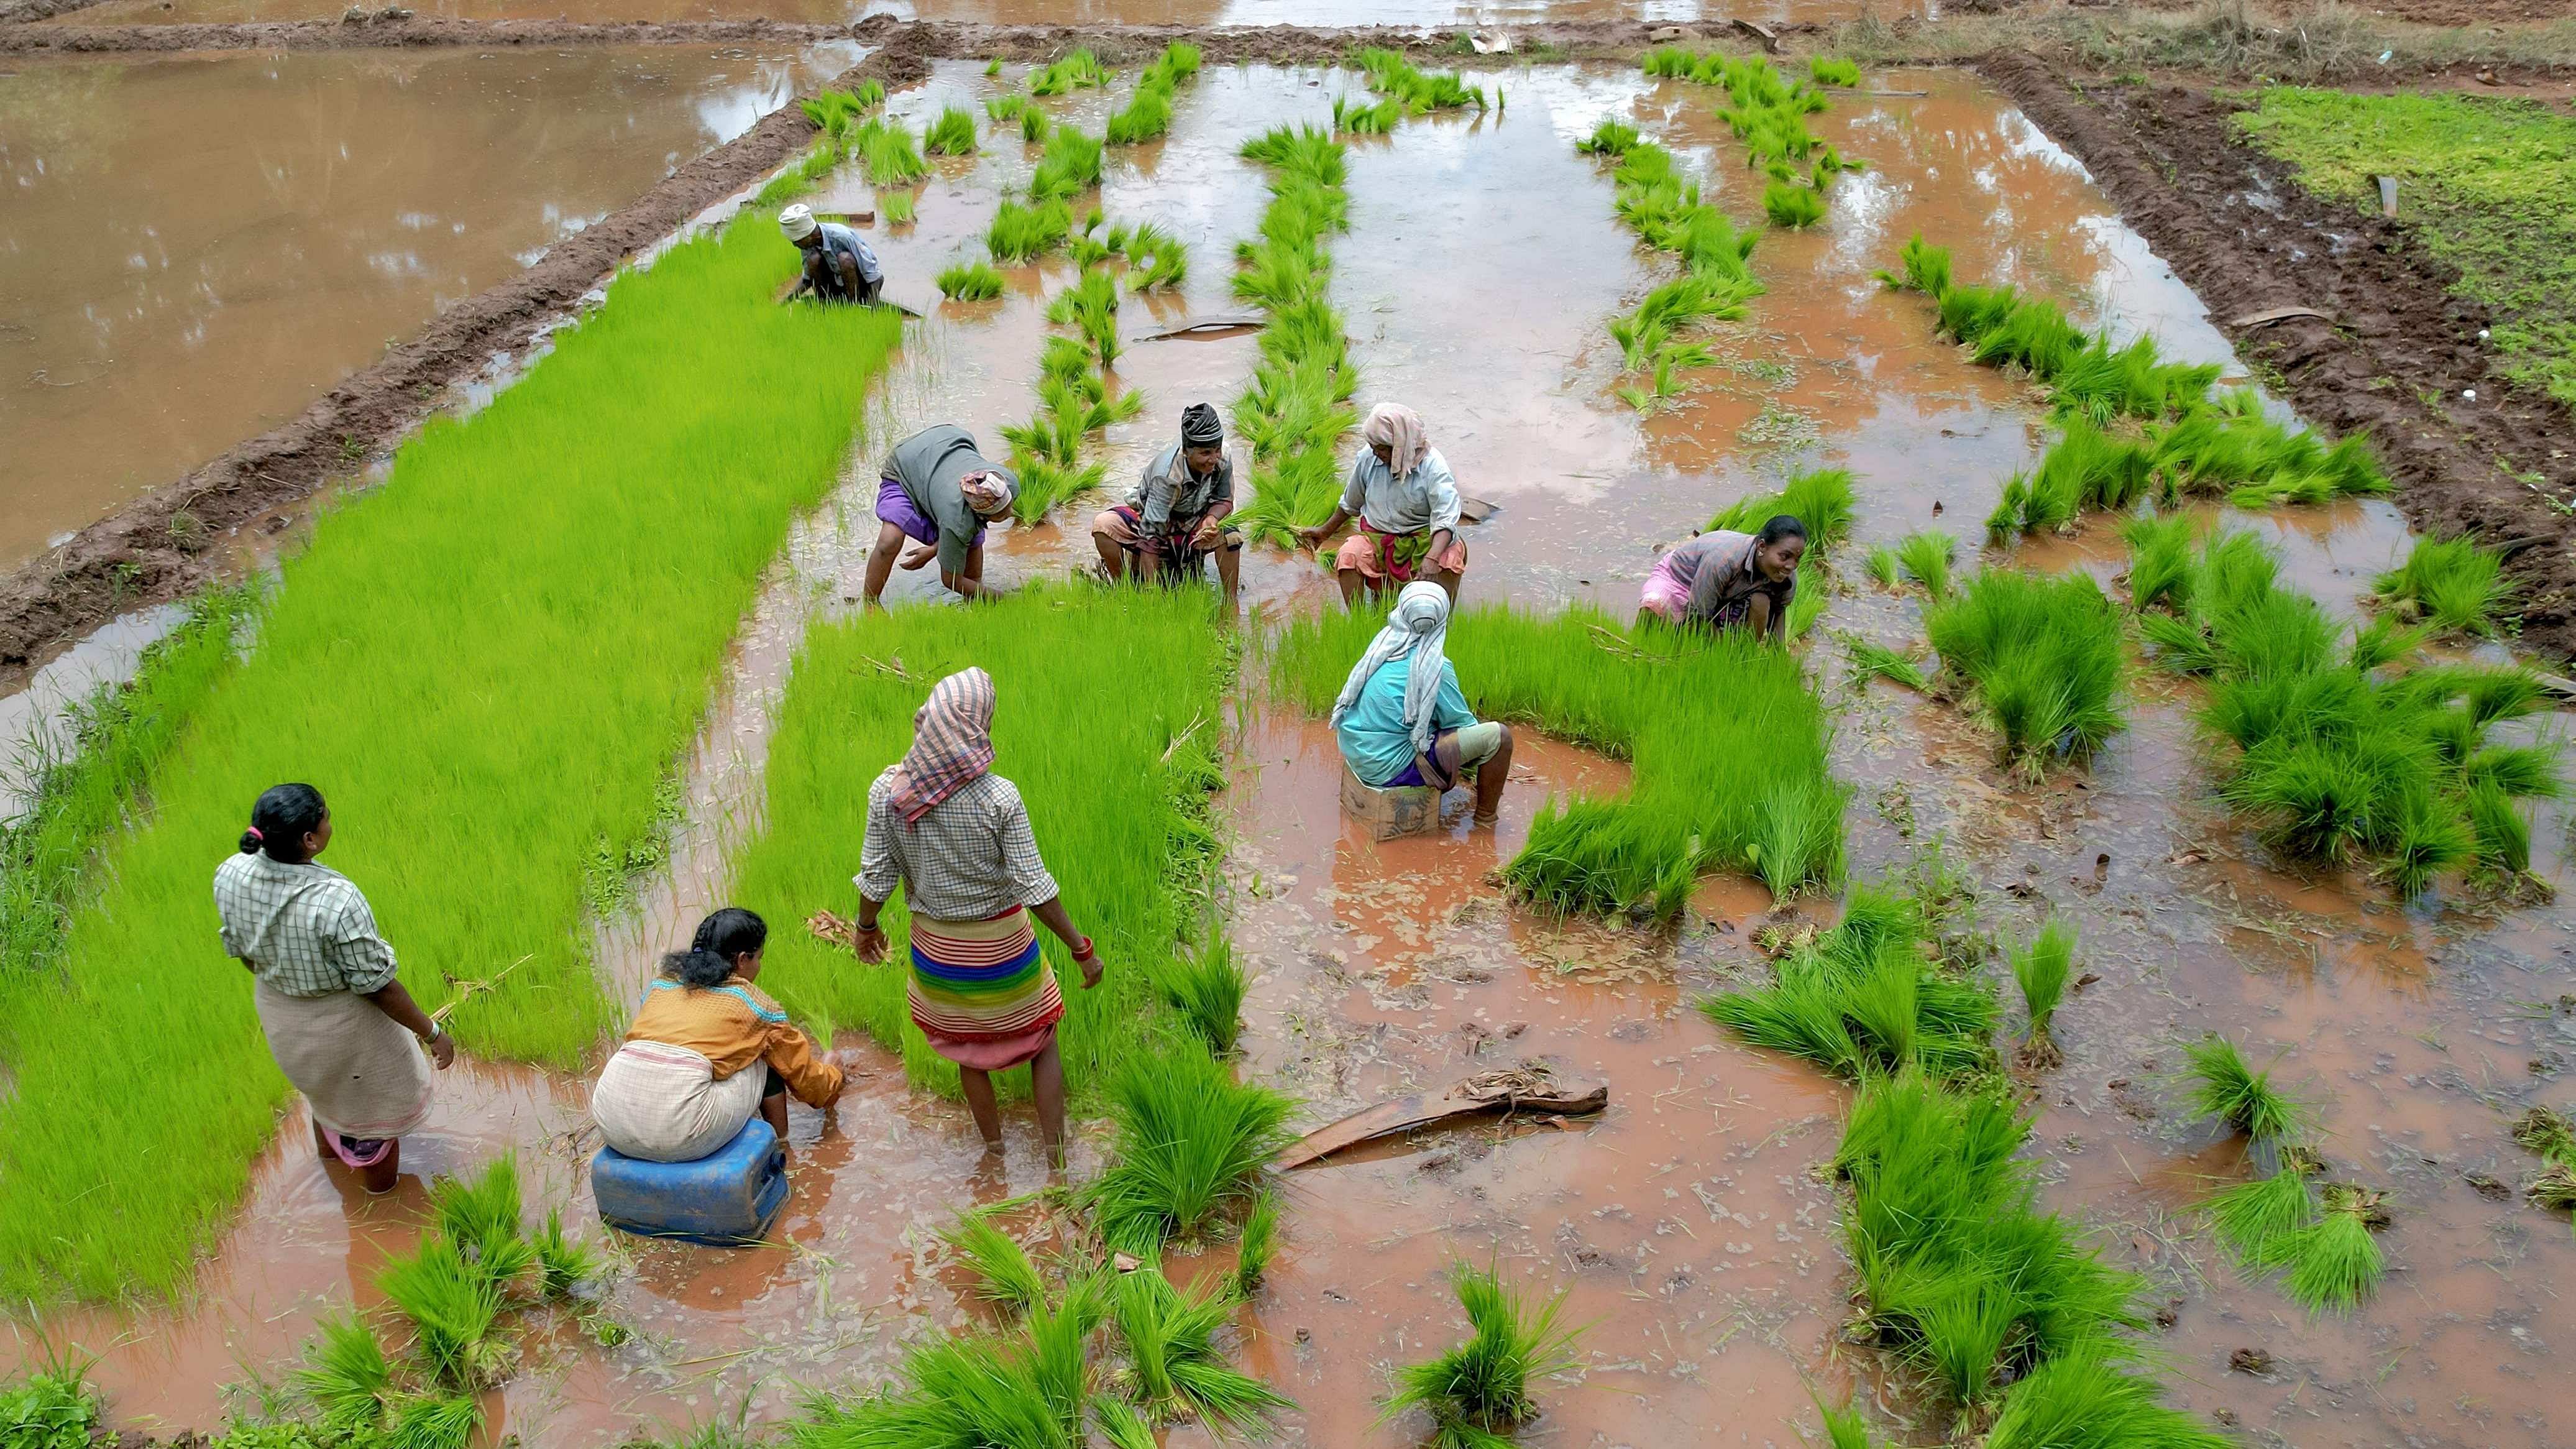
1401, 718
1177, 513
1406, 501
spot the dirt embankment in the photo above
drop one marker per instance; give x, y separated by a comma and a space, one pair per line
161, 546
2397, 353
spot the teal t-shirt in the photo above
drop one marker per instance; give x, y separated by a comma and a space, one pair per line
1373, 735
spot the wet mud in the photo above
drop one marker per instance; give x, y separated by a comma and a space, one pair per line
2242, 232
1688, 1222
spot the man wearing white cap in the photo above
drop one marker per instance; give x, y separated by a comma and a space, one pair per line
838, 266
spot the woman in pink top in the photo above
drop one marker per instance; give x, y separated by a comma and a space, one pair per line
1725, 579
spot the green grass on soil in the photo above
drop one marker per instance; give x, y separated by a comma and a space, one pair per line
1116, 774
2487, 184
1745, 788
489, 666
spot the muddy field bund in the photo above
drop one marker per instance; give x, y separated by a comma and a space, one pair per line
1696, 1225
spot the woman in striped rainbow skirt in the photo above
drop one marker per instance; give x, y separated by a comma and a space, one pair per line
955, 836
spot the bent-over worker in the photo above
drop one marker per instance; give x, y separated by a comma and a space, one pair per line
1402, 719
956, 837
1728, 580
342, 1027
938, 490
708, 1049
1177, 514
839, 267
1406, 501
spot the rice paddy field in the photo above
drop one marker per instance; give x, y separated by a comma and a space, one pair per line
2102, 983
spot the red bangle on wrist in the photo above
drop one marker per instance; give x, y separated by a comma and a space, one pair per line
1084, 952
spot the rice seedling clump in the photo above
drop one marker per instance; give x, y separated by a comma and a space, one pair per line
953, 134
1417, 93
2041, 970
1746, 788
1480, 1392
1081, 70
1297, 407
1717, 281
970, 282
1148, 113
2225, 1087
2039, 659
480, 594
1190, 1149
2451, 584
1868, 998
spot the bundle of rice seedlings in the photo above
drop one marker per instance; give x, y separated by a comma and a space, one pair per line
887, 151
1123, 1427
2547, 1132
2041, 659
1260, 1239
1879, 661
2450, 583
1024, 233
1296, 409
1035, 125
970, 282
1006, 108
1884, 567
486, 1206
953, 134
2084, 1399
1091, 306
562, 1264
2334, 1262
2041, 969
1207, 988
1610, 138
1793, 205
1003, 1272
1926, 555
453, 1308
1821, 498
1069, 166
1866, 997
897, 206
2258, 1220
347, 1376
1179, 1370
1832, 71
1418, 92
2224, 1087
2160, 560
434, 1421
1190, 1144
1351, 118
1922, 268
1079, 71
1483, 1390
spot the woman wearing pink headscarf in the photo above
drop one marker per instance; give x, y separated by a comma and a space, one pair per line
1406, 500
955, 836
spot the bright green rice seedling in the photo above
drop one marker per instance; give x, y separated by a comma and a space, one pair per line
1793, 205
2335, 1263
2087, 1400
454, 1310
1191, 1145
887, 150
1831, 71
957, 1393
563, 1265
1002, 1269
1035, 124
1878, 661
484, 594
1867, 997
1351, 118
1081, 70
1122, 1426
1480, 1392
1091, 307
469, 1211
1926, 555
1149, 112
2452, 584
1006, 108
1259, 1241
2259, 1220
1120, 805
1419, 92
1704, 783
898, 207
970, 282
1155, 258
1021, 233
1822, 499
2040, 659
2041, 970
434, 1421
1207, 990
953, 134
2224, 1087
1885, 567
1610, 138
1069, 166
347, 1376
1297, 408
1179, 1370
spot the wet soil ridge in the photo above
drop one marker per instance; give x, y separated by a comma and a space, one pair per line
162, 545
2395, 352
28, 10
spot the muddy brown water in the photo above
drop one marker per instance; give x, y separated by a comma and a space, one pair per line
1020, 12
1687, 1223
196, 246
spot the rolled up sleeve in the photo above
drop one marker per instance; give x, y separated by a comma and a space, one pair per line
1440, 488
1030, 881
879, 872
357, 951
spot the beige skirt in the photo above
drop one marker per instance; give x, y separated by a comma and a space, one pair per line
364, 1072
665, 1103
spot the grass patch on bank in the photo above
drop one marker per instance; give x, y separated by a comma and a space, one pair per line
489, 681
1745, 788
1297, 408
2486, 184
1117, 784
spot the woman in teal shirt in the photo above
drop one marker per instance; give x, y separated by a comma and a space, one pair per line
1401, 718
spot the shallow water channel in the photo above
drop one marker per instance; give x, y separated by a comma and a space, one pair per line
196, 246
1689, 1221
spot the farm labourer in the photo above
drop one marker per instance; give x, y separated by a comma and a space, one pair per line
1406, 501
955, 836
838, 266
706, 1051
938, 491
342, 1028
1401, 718
1726, 580
1177, 514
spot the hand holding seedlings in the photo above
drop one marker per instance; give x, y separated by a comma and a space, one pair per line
1177, 514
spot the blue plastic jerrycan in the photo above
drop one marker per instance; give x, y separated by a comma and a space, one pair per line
726, 1199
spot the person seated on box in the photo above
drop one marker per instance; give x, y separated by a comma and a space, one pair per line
1729, 580
1406, 500
706, 1051
1402, 719
1177, 515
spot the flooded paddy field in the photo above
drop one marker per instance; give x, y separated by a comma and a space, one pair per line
196, 246
1692, 1223
1015, 12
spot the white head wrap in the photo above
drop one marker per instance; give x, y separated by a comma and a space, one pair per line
1400, 429
797, 221
1417, 628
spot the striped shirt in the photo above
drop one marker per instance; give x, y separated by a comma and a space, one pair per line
305, 929
972, 856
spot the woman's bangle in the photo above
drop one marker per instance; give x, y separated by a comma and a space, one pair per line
1084, 952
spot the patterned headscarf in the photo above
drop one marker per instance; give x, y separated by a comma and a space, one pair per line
952, 743
1400, 428
1417, 628
1200, 427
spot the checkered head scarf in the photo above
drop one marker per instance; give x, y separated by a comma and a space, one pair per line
952, 743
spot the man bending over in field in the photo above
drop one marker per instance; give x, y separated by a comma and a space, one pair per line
1176, 517
838, 266
938, 491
